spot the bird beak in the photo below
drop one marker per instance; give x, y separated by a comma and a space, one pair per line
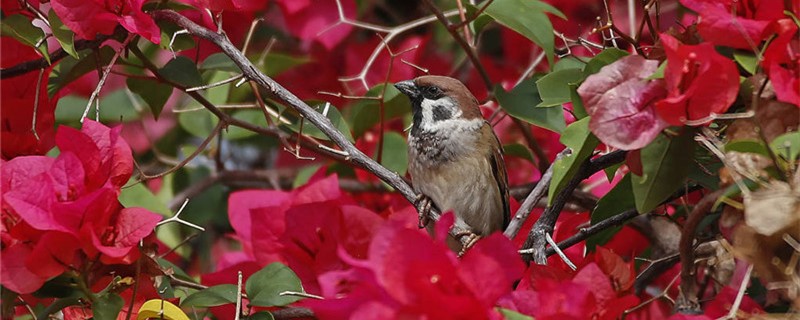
408, 88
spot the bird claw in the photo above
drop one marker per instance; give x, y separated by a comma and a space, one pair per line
472, 238
423, 204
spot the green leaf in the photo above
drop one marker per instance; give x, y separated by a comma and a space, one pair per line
276, 63
747, 146
332, 113
365, 114
137, 195
513, 315
395, 153
153, 92
665, 165
211, 296
21, 28
747, 60
113, 107
264, 287
528, 18
182, 71
578, 110
219, 62
582, 142
263, 315
554, 88
477, 25
182, 41
520, 102
616, 201
64, 35
199, 123
787, 145
304, 174
253, 116
659, 73
70, 69
603, 59
518, 150
107, 306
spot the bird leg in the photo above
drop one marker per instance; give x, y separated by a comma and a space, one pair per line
423, 204
472, 238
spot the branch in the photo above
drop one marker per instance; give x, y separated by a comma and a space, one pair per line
531, 200
473, 56
55, 56
585, 233
285, 96
687, 302
537, 237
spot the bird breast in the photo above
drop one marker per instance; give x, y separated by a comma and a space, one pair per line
449, 168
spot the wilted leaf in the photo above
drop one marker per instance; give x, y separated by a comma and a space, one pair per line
620, 103
773, 207
160, 309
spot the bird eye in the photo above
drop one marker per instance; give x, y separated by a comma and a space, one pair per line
432, 92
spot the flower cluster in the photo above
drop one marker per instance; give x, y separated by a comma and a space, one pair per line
630, 104
58, 213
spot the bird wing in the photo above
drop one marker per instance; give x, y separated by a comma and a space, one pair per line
500, 176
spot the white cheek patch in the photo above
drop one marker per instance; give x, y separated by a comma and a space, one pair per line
428, 114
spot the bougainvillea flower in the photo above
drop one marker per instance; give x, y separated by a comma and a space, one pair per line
317, 20
54, 207
229, 5
699, 82
19, 98
620, 100
739, 24
782, 63
408, 274
88, 18
599, 289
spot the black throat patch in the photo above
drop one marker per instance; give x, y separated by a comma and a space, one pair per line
441, 113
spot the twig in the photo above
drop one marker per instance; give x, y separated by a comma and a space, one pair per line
197, 151
530, 201
560, 253
215, 84
740, 294
176, 218
239, 296
585, 233
391, 33
357, 157
536, 238
55, 56
36, 102
301, 294
688, 301
103, 78
470, 51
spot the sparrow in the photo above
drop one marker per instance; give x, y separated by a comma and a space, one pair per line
454, 158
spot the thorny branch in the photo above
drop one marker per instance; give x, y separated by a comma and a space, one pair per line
280, 93
536, 238
688, 301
